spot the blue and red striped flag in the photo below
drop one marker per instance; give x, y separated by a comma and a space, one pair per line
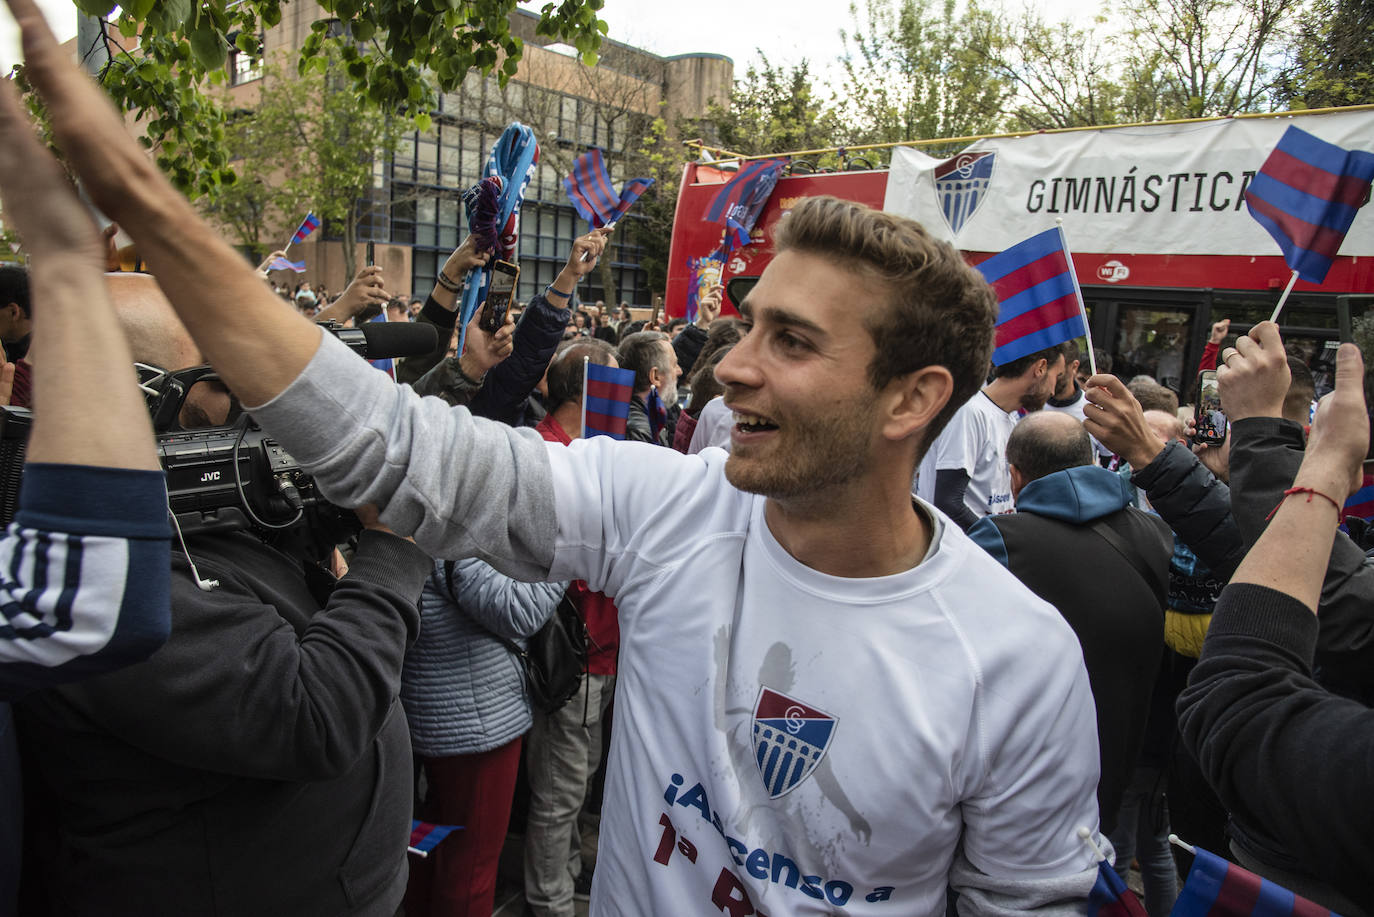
1218, 888
425, 836
606, 393
591, 192
1306, 195
737, 206
743, 197
1110, 897
1040, 305
283, 264
308, 225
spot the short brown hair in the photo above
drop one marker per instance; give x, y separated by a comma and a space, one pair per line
941, 312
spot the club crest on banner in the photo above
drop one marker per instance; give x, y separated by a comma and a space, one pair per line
790, 739
961, 184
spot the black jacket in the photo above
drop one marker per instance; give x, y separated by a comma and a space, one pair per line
1293, 763
1050, 543
1265, 455
259, 763
502, 394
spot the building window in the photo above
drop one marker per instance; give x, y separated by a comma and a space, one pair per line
243, 68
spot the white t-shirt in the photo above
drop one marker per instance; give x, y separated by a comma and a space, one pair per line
808, 741
713, 426
976, 441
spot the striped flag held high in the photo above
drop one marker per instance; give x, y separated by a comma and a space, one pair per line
1218, 888
1306, 195
741, 200
606, 393
592, 194
1040, 304
308, 225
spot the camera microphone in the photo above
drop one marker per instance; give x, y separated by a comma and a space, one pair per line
385, 340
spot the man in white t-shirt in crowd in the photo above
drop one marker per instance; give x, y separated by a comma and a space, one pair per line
1068, 397
828, 698
965, 472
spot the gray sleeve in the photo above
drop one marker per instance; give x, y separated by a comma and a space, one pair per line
436, 472
981, 895
504, 606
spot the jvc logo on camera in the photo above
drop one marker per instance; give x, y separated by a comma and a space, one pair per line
210, 476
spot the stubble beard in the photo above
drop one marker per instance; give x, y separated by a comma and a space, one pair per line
814, 459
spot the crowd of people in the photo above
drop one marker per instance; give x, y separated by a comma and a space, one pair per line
875, 627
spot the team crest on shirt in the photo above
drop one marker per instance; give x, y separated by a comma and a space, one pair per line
790, 739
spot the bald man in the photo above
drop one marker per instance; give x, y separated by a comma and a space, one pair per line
1076, 541
262, 758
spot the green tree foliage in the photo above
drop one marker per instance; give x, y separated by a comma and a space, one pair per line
911, 72
1332, 60
772, 110
1204, 57
1061, 75
395, 55
307, 144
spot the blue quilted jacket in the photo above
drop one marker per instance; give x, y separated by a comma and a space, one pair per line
462, 689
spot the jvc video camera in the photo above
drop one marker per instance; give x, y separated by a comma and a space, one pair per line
231, 477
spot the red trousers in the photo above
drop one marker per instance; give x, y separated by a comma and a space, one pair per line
458, 879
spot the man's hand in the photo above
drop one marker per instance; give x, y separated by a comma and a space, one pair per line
1253, 376
1219, 331
1340, 432
708, 306
266, 265
1118, 422
464, 258
589, 246
366, 289
486, 350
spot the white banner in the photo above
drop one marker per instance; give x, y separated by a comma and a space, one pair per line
1163, 189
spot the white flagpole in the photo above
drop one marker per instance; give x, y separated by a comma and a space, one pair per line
1078, 291
1284, 298
586, 361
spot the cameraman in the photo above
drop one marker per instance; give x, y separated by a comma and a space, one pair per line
259, 763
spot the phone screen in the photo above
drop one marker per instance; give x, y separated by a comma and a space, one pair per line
499, 293
371, 253
1209, 420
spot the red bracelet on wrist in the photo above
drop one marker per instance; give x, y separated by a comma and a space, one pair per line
1310, 491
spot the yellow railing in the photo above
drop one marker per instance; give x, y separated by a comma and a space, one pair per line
724, 155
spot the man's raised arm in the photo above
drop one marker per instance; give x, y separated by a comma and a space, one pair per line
257, 346
86, 582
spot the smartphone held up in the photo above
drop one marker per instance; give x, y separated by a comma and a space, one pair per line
499, 294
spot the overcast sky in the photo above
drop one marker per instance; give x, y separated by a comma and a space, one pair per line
786, 30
